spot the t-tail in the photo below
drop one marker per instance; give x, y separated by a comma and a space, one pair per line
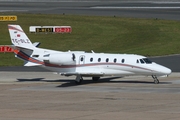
23, 48
19, 38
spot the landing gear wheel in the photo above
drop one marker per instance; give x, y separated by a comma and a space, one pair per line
95, 78
79, 82
156, 81
79, 79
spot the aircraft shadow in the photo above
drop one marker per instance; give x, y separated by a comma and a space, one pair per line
71, 82
108, 80
29, 80
42, 80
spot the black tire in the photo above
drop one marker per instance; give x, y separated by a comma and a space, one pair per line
156, 81
95, 78
78, 82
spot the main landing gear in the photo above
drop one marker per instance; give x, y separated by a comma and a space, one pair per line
79, 79
95, 78
156, 81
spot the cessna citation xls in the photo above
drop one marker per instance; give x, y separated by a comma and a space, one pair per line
82, 64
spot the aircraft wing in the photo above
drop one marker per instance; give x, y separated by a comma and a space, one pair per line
97, 72
83, 73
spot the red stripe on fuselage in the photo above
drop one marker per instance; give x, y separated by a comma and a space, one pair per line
28, 58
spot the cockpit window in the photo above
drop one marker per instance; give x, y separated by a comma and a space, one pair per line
142, 61
147, 61
137, 61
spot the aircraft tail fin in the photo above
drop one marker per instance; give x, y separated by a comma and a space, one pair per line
19, 38
23, 48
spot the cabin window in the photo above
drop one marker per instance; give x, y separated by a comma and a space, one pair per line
122, 60
107, 59
137, 61
82, 58
99, 59
115, 60
142, 61
91, 59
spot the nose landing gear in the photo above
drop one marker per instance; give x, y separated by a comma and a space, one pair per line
156, 81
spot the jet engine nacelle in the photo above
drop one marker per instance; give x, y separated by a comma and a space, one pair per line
61, 59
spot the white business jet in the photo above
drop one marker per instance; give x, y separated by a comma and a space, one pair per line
82, 64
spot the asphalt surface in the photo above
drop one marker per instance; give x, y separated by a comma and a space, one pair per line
159, 9
44, 96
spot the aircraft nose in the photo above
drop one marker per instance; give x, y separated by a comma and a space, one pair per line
162, 70
166, 71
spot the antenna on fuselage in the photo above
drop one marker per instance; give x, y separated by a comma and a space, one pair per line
92, 51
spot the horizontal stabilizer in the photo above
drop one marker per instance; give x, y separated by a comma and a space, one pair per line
36, 44
31, 64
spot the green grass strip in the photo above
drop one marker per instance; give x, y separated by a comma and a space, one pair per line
148, 37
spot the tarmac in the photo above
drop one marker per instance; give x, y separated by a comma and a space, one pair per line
47, 96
